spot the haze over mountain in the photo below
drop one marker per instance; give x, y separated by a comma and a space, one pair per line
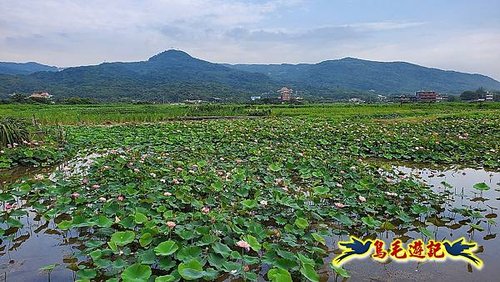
174, 76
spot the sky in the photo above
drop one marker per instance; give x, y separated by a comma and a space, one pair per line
462, 35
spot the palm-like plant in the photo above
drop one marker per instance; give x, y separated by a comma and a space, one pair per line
12, 131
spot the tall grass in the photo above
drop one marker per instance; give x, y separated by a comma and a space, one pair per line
122, 113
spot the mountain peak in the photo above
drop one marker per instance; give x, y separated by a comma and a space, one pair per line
169, 55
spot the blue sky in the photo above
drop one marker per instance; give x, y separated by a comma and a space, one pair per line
449, 34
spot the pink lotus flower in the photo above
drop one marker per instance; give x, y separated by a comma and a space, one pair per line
244, 245
175, 181
120, 198
171, 224
339, 205
205, 210
8, 206
362, 199
279, 181
75, 195
39, 177
96, 186
85, 181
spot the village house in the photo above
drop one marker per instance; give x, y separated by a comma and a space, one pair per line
40, 95
488, 97
356, 100
426, 96
285, 94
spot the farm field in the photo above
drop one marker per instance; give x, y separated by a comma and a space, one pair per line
134, 192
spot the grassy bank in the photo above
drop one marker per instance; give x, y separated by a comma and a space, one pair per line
121, 113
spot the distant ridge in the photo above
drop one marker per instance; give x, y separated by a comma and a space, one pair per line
174, 75
24, 68
352, 73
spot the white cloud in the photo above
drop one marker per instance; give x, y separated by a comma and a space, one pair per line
74, 32
66, 16
84, 32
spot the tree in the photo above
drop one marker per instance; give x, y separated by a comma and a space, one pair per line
18, 98
468, 95
480, 93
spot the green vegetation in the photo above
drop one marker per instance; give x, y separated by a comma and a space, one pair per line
140, 113
23, 68
26, 144
12, 131
480, 93
121, 113
221, 198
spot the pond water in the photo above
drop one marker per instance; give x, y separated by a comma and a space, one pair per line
448, 225
39, 243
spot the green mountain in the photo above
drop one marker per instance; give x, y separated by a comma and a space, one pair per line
24, 68
170, 76
363, 75
175, 76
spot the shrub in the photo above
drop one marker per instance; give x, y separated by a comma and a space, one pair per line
13, 131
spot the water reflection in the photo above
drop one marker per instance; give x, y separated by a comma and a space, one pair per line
36, 244
468, 213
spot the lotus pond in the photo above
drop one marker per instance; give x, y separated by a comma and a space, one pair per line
252, 199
